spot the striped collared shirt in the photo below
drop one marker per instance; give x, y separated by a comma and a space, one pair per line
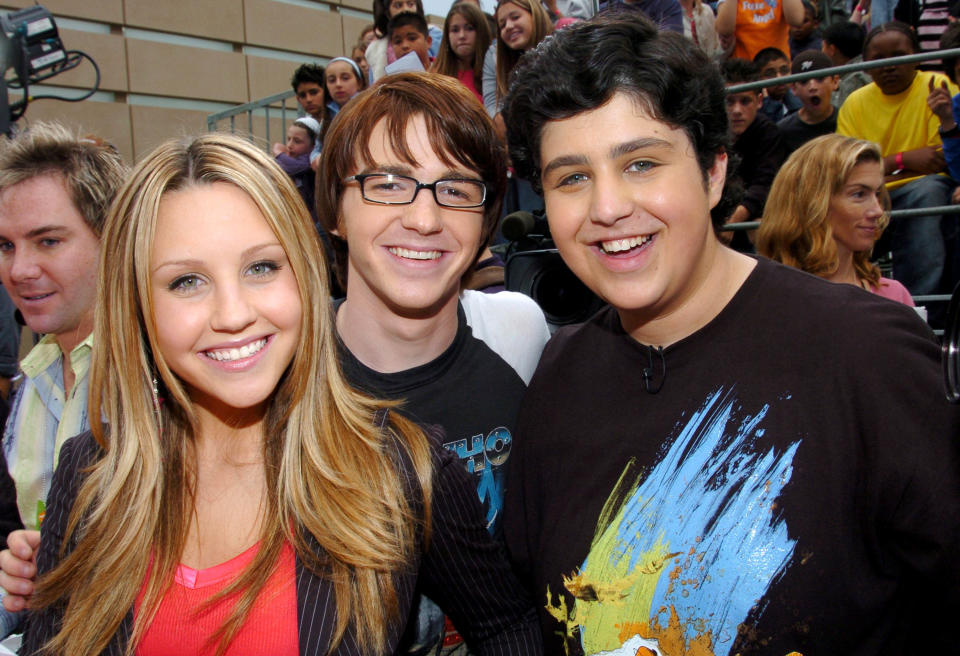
43, 416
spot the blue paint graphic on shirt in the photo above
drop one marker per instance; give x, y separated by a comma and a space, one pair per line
694, 543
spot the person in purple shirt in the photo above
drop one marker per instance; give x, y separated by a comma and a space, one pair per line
666, 14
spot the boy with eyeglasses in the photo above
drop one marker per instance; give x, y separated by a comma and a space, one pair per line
413, 177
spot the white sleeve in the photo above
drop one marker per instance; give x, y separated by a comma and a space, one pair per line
490, 80
511, 324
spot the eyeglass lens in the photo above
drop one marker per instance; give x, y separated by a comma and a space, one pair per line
401, 189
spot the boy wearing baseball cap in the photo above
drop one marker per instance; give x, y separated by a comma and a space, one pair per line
817, 116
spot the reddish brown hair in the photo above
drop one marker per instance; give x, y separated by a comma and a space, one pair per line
459, 130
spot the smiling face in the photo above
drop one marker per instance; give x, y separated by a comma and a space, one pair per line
407, 260
629, 209
516, 26
891, 79
856, 209
226, 306
463, 38
342, 82
48, 258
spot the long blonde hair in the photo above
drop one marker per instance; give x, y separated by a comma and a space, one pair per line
795, 229
507, 57
331, 478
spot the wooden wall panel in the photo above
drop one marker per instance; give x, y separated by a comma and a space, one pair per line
108, 50
212, 19
172, 70
292, 27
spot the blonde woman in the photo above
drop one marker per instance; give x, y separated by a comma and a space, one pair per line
826, 208
236, 496
522, 24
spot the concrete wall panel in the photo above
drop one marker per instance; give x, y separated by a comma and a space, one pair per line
293, 27
108, 50
154, 125
110, 121
351, 30
107, 11
269, 76
212, 19
170, 70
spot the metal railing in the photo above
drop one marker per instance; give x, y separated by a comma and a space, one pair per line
261, 109
894, 214
846, 68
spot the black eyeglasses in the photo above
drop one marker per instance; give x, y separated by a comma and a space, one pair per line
391, 189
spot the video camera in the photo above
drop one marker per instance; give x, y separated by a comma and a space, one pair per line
30, 46
534, 267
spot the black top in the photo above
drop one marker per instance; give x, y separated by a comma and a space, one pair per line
467, 398
464, 569
761, 152
795, 132
793, 486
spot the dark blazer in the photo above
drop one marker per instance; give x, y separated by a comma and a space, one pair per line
464, 570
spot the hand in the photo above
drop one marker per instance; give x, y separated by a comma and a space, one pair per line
940, 104
18, 568
279, 148
924, 160
739, 215
955, 198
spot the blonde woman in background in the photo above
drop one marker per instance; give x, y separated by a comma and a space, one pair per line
522, 25
236, 495
826, 208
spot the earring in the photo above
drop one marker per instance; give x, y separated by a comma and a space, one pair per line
156, 404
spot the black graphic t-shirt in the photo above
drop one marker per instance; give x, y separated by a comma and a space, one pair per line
468, 397
793, 487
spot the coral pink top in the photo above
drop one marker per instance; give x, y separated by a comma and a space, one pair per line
894, 291
270, 628
466, 78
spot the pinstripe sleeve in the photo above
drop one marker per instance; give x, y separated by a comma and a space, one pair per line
466, 572
77, 453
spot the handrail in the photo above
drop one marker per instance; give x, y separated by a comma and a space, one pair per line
264, 103
895, 214
260, 107
846, 68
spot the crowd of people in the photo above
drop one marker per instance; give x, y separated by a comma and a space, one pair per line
274, 408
